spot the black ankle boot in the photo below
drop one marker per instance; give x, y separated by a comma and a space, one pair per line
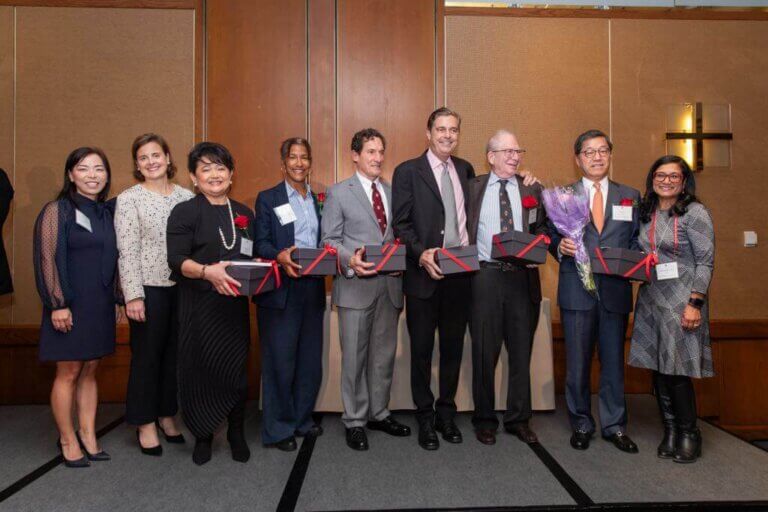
202, 453
236, 434
666, 449
688, 446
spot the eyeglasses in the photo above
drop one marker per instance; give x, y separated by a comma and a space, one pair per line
590, 153
660, 177
509, 152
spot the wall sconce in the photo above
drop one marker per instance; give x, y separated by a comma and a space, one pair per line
702, 136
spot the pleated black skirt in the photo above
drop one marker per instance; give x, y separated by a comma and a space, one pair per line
214, 336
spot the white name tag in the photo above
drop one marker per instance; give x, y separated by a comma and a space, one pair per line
666, 271
622, 213
532, 216
83, 221
285, 214
246, 247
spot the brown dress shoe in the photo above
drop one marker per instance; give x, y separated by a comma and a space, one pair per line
523, 432
485, 435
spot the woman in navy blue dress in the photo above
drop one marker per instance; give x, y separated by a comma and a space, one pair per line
75, 259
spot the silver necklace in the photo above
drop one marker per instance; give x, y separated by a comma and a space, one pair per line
227, 246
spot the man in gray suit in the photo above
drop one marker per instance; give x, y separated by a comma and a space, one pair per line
358, 212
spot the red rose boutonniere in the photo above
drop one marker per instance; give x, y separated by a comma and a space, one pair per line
627, 202
320, 200
530, 202
241, 222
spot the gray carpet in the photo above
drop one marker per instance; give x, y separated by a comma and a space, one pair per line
397, 473
132, 481
28, 437
730, 469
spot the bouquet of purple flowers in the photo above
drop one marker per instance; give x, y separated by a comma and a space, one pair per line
569, 212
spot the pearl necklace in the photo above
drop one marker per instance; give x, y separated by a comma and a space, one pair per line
227, 246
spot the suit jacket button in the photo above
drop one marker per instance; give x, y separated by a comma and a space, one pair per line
442, 231
350, 273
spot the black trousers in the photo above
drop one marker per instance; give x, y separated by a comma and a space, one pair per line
501, 312
152, 382
448, 312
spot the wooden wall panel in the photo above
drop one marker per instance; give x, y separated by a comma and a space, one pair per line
257, 85
658, 62
6, 136
321, 76
386, 76
511, 73
93, 77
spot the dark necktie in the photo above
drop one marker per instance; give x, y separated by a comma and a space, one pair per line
507, 222
378, 208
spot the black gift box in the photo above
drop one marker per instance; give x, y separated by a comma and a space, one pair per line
620, 262
507, 246
251, 275
376, 253
467, 255
305, 257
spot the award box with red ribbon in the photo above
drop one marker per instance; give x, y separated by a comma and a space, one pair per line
519, 247
623, 263
387, 258
316, 262
458, 260
255, 277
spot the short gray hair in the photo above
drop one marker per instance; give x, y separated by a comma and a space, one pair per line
493, 142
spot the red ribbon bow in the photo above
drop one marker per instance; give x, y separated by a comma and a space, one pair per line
326, 250
456, 260
525, 250
274, 269
389, 249
649, 261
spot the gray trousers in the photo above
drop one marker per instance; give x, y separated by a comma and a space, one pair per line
368, 345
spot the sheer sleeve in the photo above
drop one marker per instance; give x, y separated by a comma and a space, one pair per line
50, 256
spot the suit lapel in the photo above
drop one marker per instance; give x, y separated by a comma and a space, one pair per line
524, 191
425, 171
388, 234
281, 197
359, 192
613, 198
476, 195
579, 188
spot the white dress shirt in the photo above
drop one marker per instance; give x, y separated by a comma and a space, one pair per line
589, 187
366, 183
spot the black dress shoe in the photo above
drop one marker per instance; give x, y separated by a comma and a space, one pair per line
688, 447
314, 431
391, 426
622, 441
450, 431
486, 435
82, 462
523, 432
427, 436
96, 457
287, 445
177, 439
203, 450
356, 439
580, 440
155, 451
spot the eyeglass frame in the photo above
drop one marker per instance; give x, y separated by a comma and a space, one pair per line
668, 177
590, 153
508, 152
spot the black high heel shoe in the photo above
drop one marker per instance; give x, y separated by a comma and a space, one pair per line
96, 457
82, 462
154, 450
177, 439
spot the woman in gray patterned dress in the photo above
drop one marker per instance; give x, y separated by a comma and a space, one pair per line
671, 330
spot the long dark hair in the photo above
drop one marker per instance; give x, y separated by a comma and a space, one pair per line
651, 200
68, 190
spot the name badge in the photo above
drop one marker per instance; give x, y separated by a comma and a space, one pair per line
666, 271
285, 214
532, 216
622, 213
83, 221
246, 247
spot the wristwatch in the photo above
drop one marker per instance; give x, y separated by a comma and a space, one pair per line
696, 302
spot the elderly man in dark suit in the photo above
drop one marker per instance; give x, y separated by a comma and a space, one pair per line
506, 296
587, 319
357, 213
428, 195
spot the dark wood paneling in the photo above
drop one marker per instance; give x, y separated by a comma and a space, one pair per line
122, 4
744, 366
321, 69
439, 53
256, 85
386, 75
616, 13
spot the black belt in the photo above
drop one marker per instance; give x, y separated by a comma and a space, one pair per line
501, 265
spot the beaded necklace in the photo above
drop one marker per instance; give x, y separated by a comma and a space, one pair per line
230, 246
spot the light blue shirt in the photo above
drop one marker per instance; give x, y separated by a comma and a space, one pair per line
490, 215
306, 225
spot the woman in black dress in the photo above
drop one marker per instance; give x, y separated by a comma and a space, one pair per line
75, 260
204, 234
